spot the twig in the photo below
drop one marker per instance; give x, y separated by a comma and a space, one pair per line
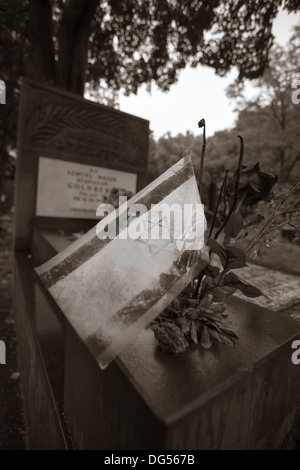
201, 123
218, 203
197, 288
273, 216
241, 201
290, 211
282, 224
290, 206
224, 198
271, 229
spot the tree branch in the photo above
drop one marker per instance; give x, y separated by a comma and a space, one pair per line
80, 55
74, 33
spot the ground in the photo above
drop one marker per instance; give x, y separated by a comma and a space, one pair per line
282, 255
12, 428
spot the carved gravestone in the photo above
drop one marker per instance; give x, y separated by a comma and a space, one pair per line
244, 397
71, 152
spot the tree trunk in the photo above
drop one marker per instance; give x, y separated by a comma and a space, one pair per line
291, 167
40, 36
74, 33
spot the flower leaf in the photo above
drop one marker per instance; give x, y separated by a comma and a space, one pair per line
185, 325
254, 186
231, 257
232, 280
221, 293
170, 338
206, 301
194, 331
221, 337
234, 225
212, 271
253, 220
213, 316
215, 335
228, 340
218, 250
228, 329
205, 338
236, 258
217, 307
192, 313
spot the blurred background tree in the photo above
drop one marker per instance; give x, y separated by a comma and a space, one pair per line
121, 44
126, 43
270, 121
13, 65
129, 42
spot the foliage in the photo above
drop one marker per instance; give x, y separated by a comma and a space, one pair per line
166, 151
136, 42
124, 44
108, 45
13, 63
270, 121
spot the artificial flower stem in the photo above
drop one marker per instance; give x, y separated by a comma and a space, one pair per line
201, 123
218, 204
237, 182
241, 201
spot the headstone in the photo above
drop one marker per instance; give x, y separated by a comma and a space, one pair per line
63, 139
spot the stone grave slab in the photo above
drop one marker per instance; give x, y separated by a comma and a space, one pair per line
281, 290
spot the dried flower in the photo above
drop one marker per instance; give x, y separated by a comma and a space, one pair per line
254, 186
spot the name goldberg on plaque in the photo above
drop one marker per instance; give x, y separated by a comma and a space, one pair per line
70, 189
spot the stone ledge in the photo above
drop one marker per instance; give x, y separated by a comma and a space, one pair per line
226, 397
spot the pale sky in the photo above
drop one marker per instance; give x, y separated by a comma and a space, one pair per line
199, 93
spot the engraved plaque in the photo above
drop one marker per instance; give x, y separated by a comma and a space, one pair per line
63, 126
74, 190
